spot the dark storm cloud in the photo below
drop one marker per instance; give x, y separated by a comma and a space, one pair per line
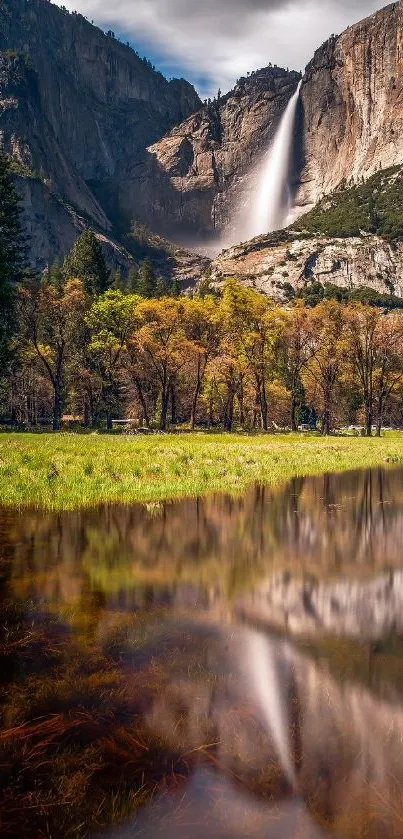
223, 39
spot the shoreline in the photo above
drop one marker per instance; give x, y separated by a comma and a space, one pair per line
67, 472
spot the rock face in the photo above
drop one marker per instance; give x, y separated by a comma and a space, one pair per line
195, 174
352, 103
99, 137
269, 263
77, 109
350, 122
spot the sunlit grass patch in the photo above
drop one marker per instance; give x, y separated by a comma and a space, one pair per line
69, 471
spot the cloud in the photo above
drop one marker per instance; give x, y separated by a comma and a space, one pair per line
219, 40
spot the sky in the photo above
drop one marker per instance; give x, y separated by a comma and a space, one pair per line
214, 42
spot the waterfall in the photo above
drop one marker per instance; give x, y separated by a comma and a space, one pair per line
272, 203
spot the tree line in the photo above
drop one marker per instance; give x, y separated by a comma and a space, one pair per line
77, 342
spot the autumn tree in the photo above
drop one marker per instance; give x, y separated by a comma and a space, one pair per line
223, 380
361, 330
111, 320
253, 326
326, 354
163, 342
50, 319
299, 349
388, 374
202, 332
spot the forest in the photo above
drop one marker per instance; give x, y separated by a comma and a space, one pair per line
82, 348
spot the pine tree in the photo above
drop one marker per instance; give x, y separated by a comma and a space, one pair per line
147, 281
162, 287
86, 262
119, 282
175, 288
12, 256
133, 281
54, 276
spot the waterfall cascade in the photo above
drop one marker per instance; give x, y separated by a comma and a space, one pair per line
271, 205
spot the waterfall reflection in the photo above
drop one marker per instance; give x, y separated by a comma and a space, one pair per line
324, 757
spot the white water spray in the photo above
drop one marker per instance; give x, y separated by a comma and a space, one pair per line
272, 204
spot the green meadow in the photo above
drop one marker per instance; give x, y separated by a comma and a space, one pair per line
67, 471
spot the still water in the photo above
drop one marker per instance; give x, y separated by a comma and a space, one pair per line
214, 667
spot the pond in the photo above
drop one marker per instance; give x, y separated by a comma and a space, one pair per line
215, 667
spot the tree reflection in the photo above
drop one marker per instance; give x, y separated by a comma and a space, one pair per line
326, 526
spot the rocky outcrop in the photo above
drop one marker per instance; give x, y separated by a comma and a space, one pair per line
294, 259
352, 104
196, 174
350, 123
77, 110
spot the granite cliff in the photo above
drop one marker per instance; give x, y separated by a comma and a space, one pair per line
98, 136
77, 109
349, 124
194, 177
352, 105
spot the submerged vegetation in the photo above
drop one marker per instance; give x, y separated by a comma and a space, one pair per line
69, 471
76, 753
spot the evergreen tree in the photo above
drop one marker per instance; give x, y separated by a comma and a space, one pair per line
119, 282
12, 255
133, 281
54, 276
162, 287
86, 262
147, 284
175, 288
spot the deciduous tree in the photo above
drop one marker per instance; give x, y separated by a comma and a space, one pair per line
51, 319
111, 320
162, 340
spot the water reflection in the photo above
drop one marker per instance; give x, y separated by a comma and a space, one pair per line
211, 667
325, 527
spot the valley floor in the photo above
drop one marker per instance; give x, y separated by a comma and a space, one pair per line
67, 471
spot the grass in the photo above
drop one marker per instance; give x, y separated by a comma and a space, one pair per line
67, 471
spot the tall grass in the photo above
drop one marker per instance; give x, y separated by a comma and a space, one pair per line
68, 471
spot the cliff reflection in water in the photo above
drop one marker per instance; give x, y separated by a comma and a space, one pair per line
344, 747
216, 667
326, 527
